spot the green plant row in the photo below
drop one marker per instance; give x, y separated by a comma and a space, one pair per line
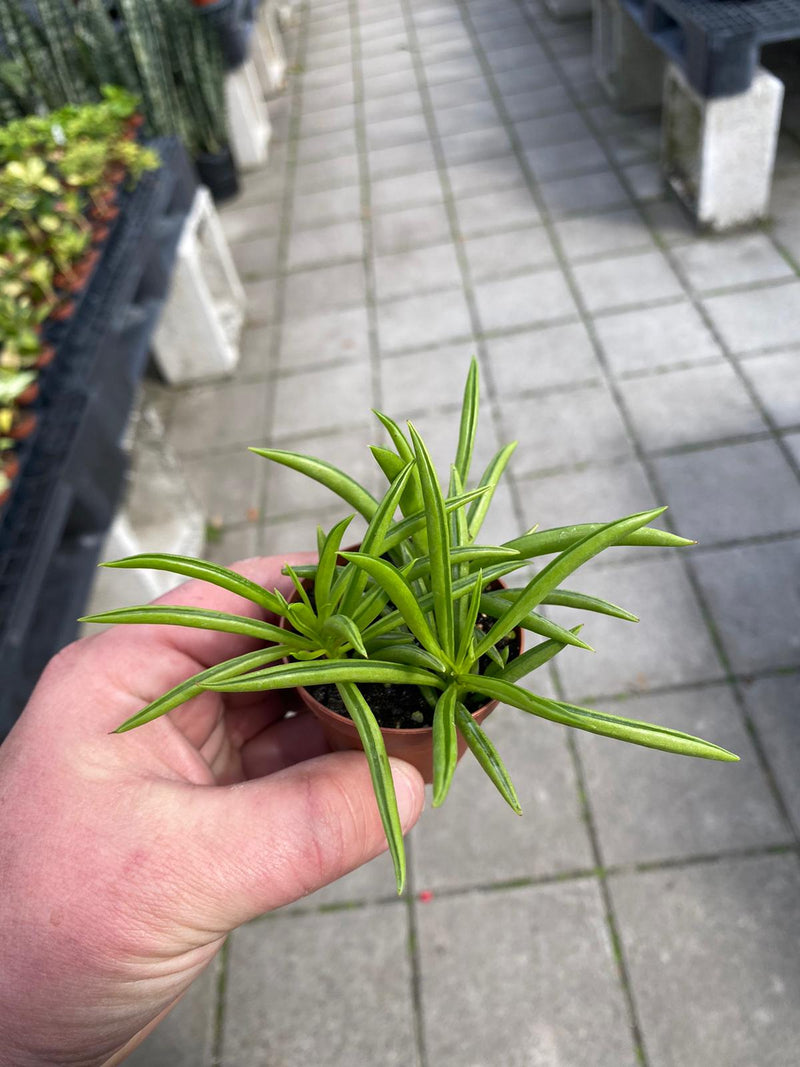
63, 51
417, 605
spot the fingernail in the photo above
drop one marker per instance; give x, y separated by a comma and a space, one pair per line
409, 790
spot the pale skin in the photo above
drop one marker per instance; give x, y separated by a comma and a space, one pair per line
125, 860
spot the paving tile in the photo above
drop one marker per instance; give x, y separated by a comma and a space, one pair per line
206, 418
583, 194
332, 118
670, 646
326, 206
317, 400
299, 533
645, 180
520, 53
682, 928
550, 130
391, 133
463, 118
325, 244
390, 108
226, 484
393, 62
439, 428
355, 976
341, 335
401, 159
690, 406
561, 429
411, 227
520, 81
496, 210
656, 337
603, 233
391, 84
328, 97
406, 190
448, 70
326, 173
565, 160
332, 74
476, 840
185, 1038
753, 596
596, 494
228, 546
330, 145
772, 704
419, 381
486, 176
242, 223
650, 806
774, 378
714, 263
471, 145
550, 99
757, 319
513, 252
417, 321
792, 440
544, 945
723, 494
451, 94
524, 300
613, 283
257, 258
671, 221
310, 291
260, 300
418, 271
540, 359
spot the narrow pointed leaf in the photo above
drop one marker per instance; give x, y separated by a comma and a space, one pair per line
179, 694
411, 500
199, 618
327, 566
342, 629
546, 542
441, 579
402, 596
413, 655
204, 571
445, 744
381, 774
488, 757
406, 528
551, 576
459, 535
337, 481
468, 424
330, 671
565, 598
598, 722
492, 605
464, 653
489, 480
532, 659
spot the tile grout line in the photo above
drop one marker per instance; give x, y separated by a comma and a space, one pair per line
641, 454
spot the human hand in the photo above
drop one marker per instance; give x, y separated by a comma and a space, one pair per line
126, 859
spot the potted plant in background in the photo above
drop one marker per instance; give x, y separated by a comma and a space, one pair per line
414, 617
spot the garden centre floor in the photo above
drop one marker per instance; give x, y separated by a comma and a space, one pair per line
447, 179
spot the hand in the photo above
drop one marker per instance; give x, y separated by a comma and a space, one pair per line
126, 859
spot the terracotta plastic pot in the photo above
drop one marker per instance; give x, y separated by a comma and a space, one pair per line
28, 395
413, 746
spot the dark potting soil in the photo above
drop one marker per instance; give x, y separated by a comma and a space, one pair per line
403, 707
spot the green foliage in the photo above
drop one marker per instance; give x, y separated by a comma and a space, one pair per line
418, 604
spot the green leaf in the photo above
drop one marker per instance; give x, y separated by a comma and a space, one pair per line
473, 555
546, 542
195, 685
342, 630
597, 722
487, 755
438, 545
373, 541
566, 598
489, 480
327, 566
459, 535
402, 595
468, 424
535, 657
381, 774
204, 571
492, 604
464, 654
337, 481
445, 743
413, 655
199, 618
411, 500
401, 531
330, 671
551, 576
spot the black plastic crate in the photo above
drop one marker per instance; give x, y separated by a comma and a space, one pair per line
716, 43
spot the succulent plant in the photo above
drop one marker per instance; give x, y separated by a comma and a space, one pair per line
416, 605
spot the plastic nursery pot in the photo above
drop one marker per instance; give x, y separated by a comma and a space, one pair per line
414, 746
219, 173
28, 395
63, 311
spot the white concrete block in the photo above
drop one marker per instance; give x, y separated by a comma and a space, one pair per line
718, 155
197, 336
627, 63
268, 52
160, 514
564, 9
248, 118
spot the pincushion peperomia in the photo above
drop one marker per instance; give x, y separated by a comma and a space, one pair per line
418, 605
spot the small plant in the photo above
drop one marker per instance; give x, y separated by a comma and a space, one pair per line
417, 609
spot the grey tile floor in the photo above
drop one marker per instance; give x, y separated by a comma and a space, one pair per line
447, 179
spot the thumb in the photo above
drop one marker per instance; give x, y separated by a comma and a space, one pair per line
270, 841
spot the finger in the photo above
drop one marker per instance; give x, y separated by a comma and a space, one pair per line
270, 841
288, 742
